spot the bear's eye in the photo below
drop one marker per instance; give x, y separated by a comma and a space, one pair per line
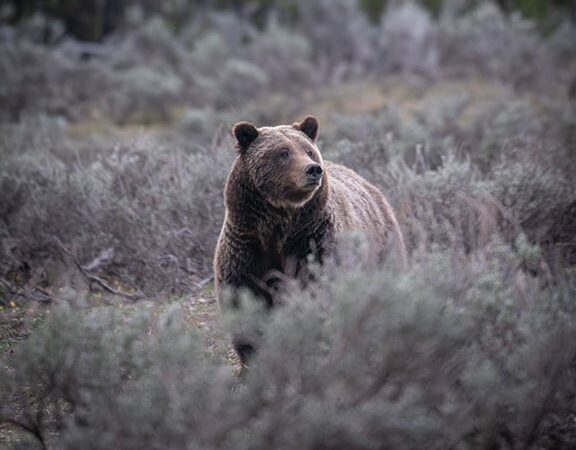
310, 153
284, 154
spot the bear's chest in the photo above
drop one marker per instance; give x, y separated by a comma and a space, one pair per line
284, 246
272, 243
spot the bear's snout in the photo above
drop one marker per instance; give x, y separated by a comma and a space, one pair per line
313, 172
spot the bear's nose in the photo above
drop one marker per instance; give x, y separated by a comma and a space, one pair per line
314, 171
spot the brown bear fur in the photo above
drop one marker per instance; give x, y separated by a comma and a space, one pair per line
277, 214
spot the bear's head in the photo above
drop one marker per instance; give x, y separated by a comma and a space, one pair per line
282, 162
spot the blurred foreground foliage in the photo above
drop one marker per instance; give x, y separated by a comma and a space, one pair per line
113, 160
461, 351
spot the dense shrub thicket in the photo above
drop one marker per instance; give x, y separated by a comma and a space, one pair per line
148, 217
113, 160
93, 20
219, 62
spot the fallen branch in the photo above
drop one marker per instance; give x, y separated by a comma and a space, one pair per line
200, 284
104, 257
90, 277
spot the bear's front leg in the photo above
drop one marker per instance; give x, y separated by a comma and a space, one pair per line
239, 263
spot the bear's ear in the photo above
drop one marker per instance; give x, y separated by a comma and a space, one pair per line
309, 126
245, 133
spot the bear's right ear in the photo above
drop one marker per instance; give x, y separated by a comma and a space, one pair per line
245, 133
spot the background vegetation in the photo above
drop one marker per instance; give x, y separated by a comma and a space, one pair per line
114, 148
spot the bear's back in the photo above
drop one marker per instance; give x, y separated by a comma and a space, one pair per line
356, 205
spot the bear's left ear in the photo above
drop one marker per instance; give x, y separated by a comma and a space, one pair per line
309, 126
245, 133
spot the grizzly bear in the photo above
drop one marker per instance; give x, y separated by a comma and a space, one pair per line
284, 203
